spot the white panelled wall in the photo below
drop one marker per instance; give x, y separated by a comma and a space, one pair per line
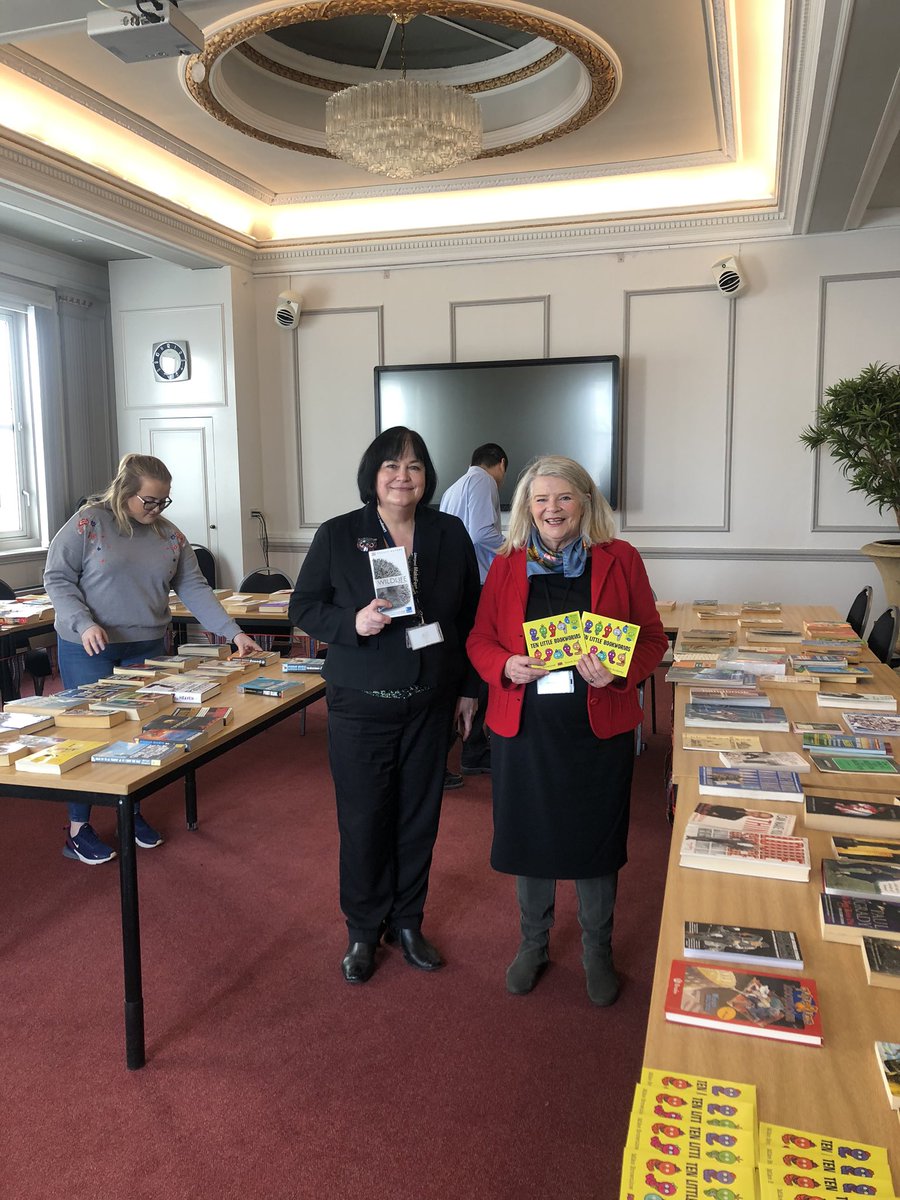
719, 494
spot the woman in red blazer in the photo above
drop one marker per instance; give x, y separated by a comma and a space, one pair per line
562, 749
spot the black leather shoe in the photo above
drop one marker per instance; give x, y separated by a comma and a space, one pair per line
482, 768
358, 963
417, 950
452, 780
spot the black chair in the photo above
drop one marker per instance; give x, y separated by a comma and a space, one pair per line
858, 616
36, 661
882, 639
266, 580
206, 561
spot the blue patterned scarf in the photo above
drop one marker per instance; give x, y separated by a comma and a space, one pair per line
569, 562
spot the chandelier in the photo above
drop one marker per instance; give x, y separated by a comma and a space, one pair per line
403, 128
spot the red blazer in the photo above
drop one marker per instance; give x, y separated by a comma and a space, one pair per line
619, 588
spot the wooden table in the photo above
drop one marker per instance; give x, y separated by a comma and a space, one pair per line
835, 1088
269, 623
120, 787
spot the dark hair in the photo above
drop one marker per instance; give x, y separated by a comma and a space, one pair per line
389, 445
489, 455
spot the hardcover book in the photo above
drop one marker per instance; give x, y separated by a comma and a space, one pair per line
874, 724
855, 764
303, 666
610, 639
138, 754
766, 856
720, 741
741, 820
874, 701
267, 687
881, 960
846, 919
775, 949
858, 817
725, 716
887, 1054
779, 760
762, 1004
846, 849
56, 760
748, 783
861, 879
554, 642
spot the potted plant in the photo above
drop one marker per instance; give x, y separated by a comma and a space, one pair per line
859, 424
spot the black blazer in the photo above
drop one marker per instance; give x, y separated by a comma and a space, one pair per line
335, 582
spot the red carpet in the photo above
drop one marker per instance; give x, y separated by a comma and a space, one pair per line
267, 1075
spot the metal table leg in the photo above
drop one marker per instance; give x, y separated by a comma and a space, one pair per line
131, 936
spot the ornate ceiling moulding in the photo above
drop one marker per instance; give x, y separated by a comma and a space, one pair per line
601, 68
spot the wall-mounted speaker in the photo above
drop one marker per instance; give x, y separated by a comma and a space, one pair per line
287, 310
728, 276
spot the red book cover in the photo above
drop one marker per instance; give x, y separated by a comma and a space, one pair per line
760, 1003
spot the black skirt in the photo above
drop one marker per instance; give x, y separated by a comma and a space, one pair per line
561, 794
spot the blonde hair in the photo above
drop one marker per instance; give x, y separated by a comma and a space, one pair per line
597, 525
132, 471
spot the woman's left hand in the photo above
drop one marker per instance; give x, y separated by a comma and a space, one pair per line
245, 645
466, 707
593, 672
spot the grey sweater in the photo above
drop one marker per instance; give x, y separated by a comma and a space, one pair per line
96, 576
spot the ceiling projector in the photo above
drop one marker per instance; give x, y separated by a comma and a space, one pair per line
140, 38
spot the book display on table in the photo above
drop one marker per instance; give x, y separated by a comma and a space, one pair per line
874, 701
861, 879
266, 686
881, 959
57, 759
857, 817
778, 760
726, 716
855, 764
741, 820
847, 849
848, 919
750, 783
775, 949
715, 742
795, 1163
138, 754
758, 1003
887, 1055
302, 666
763, 855
12, 749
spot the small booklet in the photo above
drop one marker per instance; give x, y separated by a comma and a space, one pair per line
554, 642
390, 574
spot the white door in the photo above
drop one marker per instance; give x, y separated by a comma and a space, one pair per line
185, 445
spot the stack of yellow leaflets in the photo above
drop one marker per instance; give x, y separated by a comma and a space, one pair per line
794, 1164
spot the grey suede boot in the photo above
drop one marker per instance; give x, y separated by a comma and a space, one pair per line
602, 981
536, 905
526, 968
596, 904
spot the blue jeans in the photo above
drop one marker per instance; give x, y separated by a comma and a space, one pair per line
77, 667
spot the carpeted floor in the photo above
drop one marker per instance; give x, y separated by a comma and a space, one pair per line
267, 1075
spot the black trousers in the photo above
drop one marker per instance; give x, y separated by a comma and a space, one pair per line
387, 761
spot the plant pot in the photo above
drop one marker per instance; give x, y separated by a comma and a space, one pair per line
886, 556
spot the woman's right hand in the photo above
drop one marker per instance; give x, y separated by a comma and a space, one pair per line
371, 620
94, 639
521, 669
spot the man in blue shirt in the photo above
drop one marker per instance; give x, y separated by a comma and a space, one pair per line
475, 499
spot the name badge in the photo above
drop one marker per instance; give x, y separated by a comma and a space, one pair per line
556, 681
420, 636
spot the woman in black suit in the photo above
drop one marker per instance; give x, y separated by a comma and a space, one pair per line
394, 687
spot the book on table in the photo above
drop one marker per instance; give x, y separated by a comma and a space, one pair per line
56, 760
173, 662
887, 1055
704, 675
84, 717
138, 754
259, 658
775, 634
720, 741
135, 708
845, 743
741, 820
846, 849
727, 716
861, 880
868, 701
14, 748
871, 724
23, 722
242, 602
834, 1170
792, 681
762, 855
743, 697
205, 649
817, 727
818, 646
848, 919
857, 816
776, 949
43, 706
758, 1003
302, 666
779, 760
881, 960
750, 783
265, 686
182, 689
760, 606
192, 726
855, 764
754, 662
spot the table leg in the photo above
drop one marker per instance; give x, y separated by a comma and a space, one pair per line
131, 936
190, 799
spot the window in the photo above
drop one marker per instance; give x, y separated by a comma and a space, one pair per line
20, 523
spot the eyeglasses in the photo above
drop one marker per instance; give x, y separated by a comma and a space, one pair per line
150, 502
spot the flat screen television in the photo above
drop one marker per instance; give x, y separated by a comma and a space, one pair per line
531, 407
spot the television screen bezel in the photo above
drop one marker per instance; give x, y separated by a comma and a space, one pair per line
613, 359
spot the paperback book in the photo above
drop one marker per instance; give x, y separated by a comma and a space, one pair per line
857, 817
775, 949
23, 722
205, 649
779, 760
263, 686
726, 716
554, 642
881, 960
887, 1055
138, 671
817, 727
754, 663
391, 580
830, 1154
182, 689
847, 849
57, 759
845, 743
848, 919
870, 701
302, 666
874, 724
137, 754
704, 675
766, 856
743, 697
135, 708
749, 783
720, 741
855, 764
173, 662
42, 706
85, 717
610, 639
861, 880
762, 1004
264, 658
189, 726
12, 749
740, 820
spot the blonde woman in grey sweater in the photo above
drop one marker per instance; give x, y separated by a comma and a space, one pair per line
109, 572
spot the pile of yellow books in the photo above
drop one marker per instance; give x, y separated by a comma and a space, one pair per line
794, 1163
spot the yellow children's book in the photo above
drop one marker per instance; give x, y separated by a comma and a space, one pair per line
612, 641
554, 642
55, 760
792, 1159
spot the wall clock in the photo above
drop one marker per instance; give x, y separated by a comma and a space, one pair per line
171, 361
